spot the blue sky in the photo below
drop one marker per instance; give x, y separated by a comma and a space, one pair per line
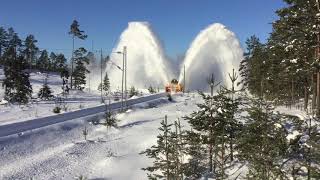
177, 22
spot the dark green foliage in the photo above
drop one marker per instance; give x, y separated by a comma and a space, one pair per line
62, 68
17, 85
262, 142
197, 164
133, 92
30, 50
282, 68
43, 61
303, 149
152, 90
79, 73
13, 40
53, 64
110, 120
3, 41
167, 164
253, 68
105, 85
57, 109
45, 92
75, 31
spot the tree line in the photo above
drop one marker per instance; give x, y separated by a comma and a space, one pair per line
236, 128
21, 57
286, 67
231, 130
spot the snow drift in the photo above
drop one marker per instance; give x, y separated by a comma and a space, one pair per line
215, 50
146, 61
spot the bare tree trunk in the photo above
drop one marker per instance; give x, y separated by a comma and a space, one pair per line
306, 96
210, 158
314, 94
166, 147
318, 94
292, 92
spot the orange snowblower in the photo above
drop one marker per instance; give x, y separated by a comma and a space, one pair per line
174, 86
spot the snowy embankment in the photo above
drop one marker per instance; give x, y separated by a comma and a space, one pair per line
37, 108
19, 127
60, 152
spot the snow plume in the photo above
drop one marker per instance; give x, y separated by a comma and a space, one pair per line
215, 50
146, 61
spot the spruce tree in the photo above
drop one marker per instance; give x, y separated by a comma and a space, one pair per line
262, 142
79, 73
105, 85
45, 92
196, 166
133, 92
303, 149
110, 120
164, 154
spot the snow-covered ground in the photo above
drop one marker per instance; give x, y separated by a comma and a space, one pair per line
37, 108
60, 152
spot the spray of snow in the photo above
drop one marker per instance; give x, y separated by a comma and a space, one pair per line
215, 50
146, 61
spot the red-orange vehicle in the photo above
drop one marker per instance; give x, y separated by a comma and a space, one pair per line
174, 86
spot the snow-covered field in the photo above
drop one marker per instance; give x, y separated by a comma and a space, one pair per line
60, 151
37, 108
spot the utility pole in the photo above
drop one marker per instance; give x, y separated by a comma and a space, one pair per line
123, 70
71, 77
125, 74
101, 75
91, 65
184, 78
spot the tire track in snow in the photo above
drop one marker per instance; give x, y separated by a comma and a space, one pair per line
21, 164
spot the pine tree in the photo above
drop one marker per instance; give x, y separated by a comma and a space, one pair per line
30, 50
262, 142
105, 85
164, 154
13, 40
253, 68
43, 61
196, 165
235, 99
17, 85
53, 65
76, 33
204, 121
110, 120
151, 90
3, 42
133, 92
62, 68
45, 92
79, 73
303, 149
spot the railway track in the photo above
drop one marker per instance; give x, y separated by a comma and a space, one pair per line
19, 127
